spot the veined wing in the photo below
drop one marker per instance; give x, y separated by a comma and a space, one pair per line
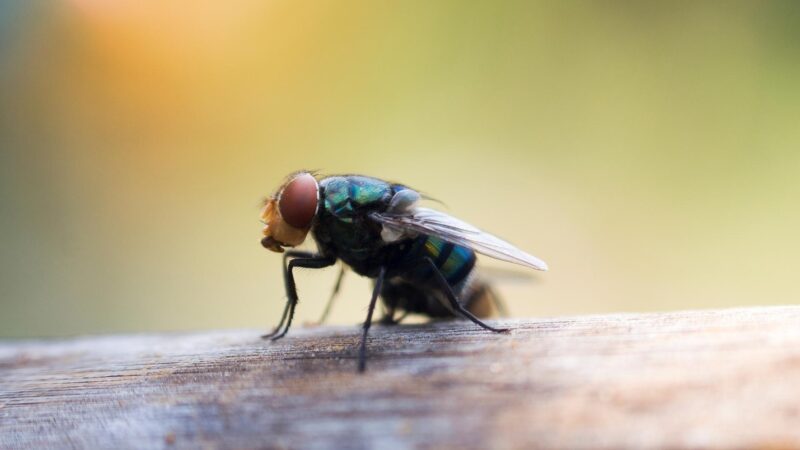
432, 222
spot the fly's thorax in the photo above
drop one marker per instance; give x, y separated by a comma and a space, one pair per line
345, 197
343, 226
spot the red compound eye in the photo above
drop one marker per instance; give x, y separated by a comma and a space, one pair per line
298, 201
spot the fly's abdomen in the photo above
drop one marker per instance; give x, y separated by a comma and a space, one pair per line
417, 291
453, 261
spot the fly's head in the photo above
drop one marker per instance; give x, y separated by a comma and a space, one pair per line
289, 213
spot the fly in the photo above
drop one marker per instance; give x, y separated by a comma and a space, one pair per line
421, 260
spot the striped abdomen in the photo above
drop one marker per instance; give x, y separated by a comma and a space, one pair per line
417, 291
453, 261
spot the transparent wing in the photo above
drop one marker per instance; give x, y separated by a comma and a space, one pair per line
432, 222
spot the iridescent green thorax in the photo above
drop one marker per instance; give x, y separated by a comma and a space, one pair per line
344, 195
343, 228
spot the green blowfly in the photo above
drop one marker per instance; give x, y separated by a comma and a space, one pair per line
422, 260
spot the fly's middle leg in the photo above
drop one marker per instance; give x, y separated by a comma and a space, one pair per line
362, 351
332, 298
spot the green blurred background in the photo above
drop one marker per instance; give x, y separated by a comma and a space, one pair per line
648, 151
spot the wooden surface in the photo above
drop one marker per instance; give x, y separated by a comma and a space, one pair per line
690, 379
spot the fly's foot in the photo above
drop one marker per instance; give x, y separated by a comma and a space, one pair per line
269, 335
279, 336
495, 330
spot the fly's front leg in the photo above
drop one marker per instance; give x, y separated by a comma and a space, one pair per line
454, 303
302, 259
315, 262
362, 351
287, 255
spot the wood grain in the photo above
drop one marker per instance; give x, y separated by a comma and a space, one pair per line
726, 378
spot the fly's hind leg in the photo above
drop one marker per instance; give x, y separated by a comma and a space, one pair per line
453, 300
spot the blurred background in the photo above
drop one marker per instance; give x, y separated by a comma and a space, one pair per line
648, 151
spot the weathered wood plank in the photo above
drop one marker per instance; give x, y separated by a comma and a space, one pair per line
690, 379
